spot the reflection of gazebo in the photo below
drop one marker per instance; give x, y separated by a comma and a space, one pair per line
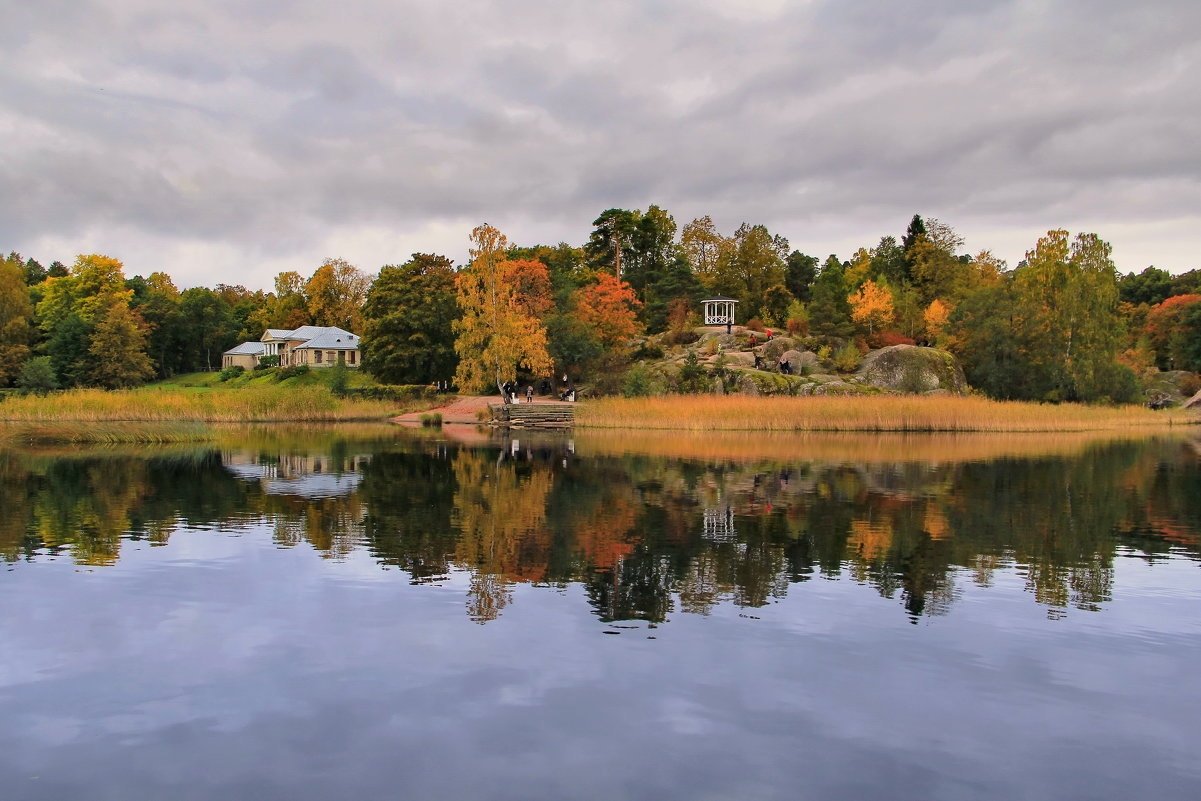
719, 310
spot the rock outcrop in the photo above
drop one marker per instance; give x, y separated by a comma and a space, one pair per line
914, 369
1194, 402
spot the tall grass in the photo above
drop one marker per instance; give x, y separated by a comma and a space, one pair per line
853, 447
244, 405
875, 413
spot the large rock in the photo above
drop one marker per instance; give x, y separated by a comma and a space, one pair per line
910, 368
771, 351
1194, 402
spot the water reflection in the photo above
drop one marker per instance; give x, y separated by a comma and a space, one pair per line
646, 535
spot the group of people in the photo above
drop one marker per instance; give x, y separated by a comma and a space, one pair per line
784, 365
510, 390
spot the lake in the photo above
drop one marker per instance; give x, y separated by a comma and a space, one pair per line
370, 613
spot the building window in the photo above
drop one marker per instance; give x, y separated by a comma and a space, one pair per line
352, 353
317, 358
329, 356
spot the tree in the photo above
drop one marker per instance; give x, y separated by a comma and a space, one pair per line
1187, 347
936, 316
335, 295
1165, 328
99, 285
1069, 290
408, 335
889, 263
703, 246
652, 250
495, 336
829, 311
799, 272
37, 376
157, 301
16, 313
208, 326
1152, 286
677, 283
530, 281
117, 351
608, 307
611, 238
753, 262
871, 306
68, 349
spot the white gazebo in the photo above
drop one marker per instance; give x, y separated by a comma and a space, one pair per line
719, 310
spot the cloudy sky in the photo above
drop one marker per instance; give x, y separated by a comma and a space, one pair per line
226, 141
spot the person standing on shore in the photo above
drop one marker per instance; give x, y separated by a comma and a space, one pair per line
529, 393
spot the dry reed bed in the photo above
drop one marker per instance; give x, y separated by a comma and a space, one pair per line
247, 405
852, 447
876, 413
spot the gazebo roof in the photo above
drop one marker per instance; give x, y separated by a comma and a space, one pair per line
719, 297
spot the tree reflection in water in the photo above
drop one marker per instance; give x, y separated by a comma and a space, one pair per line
644, 535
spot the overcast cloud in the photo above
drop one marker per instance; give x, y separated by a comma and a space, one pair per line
226, 141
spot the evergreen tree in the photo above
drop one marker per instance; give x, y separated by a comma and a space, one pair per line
829, 310
68, 350
799, 272
16, 312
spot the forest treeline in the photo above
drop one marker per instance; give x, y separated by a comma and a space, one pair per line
1063, 324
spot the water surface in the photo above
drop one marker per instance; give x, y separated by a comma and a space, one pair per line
361, 613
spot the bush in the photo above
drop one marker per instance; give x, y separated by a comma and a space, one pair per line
394, 392
339, 380
755, 324
37, 376
638, 382
267, 361
432, 420
1190, 385
681, 336
294, 371
847, 358
889, 338
649, 350
233, 371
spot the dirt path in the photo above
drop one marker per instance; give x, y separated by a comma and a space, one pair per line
460, 409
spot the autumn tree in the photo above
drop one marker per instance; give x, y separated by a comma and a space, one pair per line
871, 306
335, 294
703, 246
609, 308
409, 315
935, 319
495, 337
16, 314
531, 284
209, 327
117, 352
1166, 331
753, 262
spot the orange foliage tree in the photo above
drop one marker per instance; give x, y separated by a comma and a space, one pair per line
935, 318
1165, 324
871, 306
609, 307
530, 281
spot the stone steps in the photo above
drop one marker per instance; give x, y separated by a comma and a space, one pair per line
533, 415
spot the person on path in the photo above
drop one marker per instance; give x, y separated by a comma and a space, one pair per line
529, 393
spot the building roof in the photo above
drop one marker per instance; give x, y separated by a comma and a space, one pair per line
325, 337
719, 297
331, 339
247, 349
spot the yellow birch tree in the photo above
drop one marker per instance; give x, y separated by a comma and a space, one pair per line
871, 306
495, 335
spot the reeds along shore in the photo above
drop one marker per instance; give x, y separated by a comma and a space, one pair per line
246, 405
874, 413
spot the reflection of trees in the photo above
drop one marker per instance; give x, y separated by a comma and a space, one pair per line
631, 529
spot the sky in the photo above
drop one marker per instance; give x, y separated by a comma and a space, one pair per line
228, 141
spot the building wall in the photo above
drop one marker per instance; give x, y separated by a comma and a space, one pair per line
247, 360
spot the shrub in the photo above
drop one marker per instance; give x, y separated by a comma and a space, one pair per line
648, 350
339, 380
233, 371
394, 392
823, 354
1190, 385
847, 358
37, 376
890, 338
267, 361
638, 382
798, 319
295, 371
432, 420
755, 324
